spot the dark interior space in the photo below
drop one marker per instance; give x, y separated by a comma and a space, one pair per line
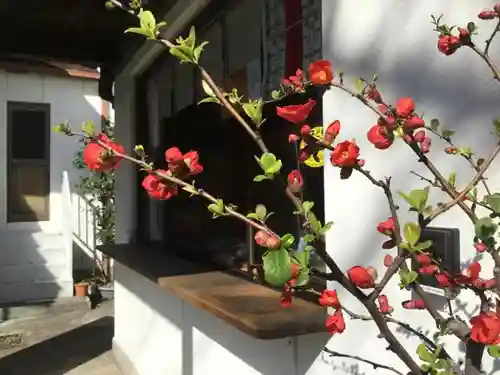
227, 154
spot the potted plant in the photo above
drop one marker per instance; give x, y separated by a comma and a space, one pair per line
81, 288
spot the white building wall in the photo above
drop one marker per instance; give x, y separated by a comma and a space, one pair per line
159, 333
39, 254
395, 40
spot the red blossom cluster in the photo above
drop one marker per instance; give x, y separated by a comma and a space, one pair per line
100, 154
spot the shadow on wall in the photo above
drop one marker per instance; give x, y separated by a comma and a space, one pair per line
457, 89
206, 340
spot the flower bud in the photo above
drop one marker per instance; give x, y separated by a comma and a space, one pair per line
464, 36
361, 163
261, 237
388, 260
414, 304
413, 123
480, 247
487, 15
451, 150
419, 136
305, 130
496, 8
273, 242
360, 277
292, 138
425, 146
332, 131
383, 305
423, 259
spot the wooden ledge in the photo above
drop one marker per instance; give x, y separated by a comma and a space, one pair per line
250, 307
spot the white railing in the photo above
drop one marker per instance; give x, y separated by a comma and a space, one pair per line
85, 226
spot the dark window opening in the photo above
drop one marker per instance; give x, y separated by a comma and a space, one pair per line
28, 164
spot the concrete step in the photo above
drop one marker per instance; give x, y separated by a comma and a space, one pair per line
35, 291
32, 309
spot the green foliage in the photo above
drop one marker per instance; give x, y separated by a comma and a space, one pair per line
406, 278
287, 240
253, 110
260, 213
217, 209
452, 179
147, 25
186, 50
88, 128
269, 164
494, 351
493, 201
485, 228
432, 363
277, 266
417, 199
496, 126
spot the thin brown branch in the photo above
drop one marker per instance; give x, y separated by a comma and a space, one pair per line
469, 186
492, 36
487, 59
375, 365
466, 157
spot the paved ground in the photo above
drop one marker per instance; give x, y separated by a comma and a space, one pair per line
67, 340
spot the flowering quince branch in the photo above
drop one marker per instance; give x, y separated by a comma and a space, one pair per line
289, 269
375, 365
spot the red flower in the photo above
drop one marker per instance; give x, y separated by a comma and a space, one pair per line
345, 154
296, 113
305, 130
486, 328
98, 158
178, 162
423, 259
470, 275
158, 188
448, 44
332, 131
320, 72
360, 277
419, 136
487, 15
414, 304
295, 181
286, 296
413, 123
387, 227
261, 238
335, 323
329, 298
405, 107
383, 305
444, 280
373, 94
380, 137
464, 36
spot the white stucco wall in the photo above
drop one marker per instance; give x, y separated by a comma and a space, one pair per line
36, 258
395, 40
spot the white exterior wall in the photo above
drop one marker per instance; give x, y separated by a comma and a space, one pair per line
395, 40
159, 334
36, 259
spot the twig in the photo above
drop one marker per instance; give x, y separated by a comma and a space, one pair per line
375, 365
466, 157
469, 186
487, 60
492, 36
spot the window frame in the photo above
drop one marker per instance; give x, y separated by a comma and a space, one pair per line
28, 106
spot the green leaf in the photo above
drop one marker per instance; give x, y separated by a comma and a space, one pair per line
465, 151
309, 238
253, 110
412, 233
253, 215
359, 84
494, 351
471, 27
496, 125
493, 201
261, 211
417, 199
260, 177
485, 228
277, 267
88, 127
191, 39
424, 354
180, 54
137, 30
452, 179
287, 240
209, 99
421, 246
407, 278
216, 210
314, 222
275, 168
434, 124
307, 206
267, 161
198, 50
148, 22
303, 277
326, 228
276, 94
447, 133
309, 248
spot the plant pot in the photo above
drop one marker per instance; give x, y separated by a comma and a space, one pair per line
107, 292
81, 289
